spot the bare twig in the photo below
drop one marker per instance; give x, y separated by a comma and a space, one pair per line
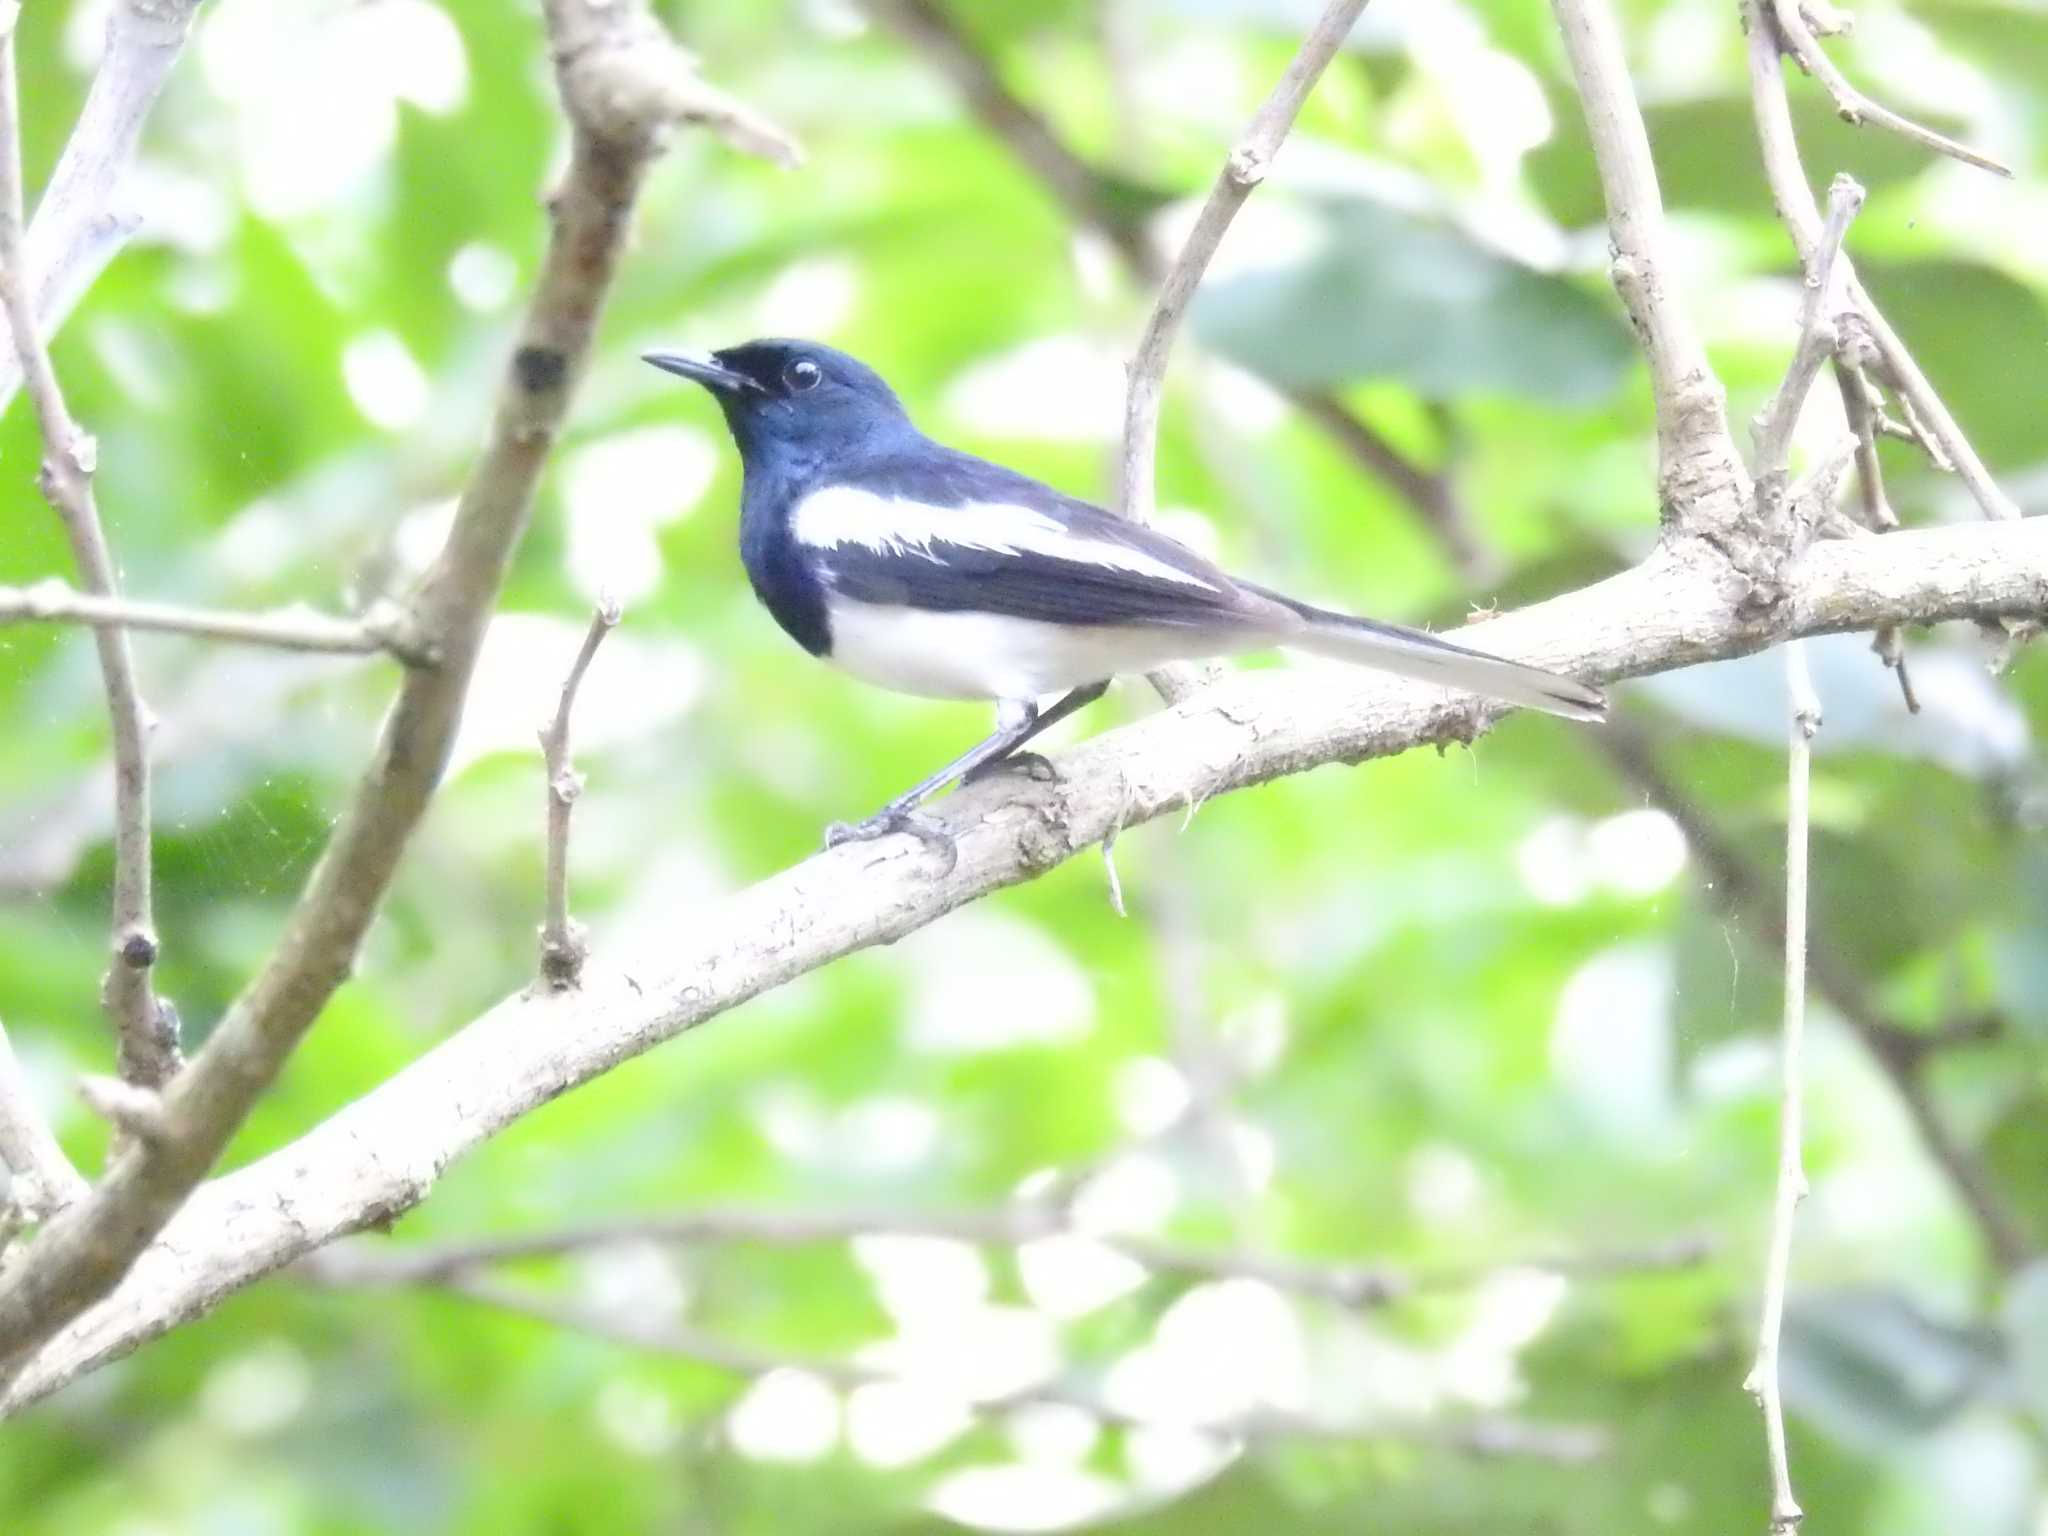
1740, 888
624, 85
562, 946
290, 629
1851, 105
41, 1179
1817, 342
148, 1038
381, 1155
1487, 1436
1791, 1186
1699, 478
1093, 202
81, 219
1357, 1287
1243, 170
1794, 198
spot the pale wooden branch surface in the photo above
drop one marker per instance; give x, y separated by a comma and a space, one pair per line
145, 1028
381, 1155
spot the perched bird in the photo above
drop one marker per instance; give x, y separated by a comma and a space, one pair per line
929, 571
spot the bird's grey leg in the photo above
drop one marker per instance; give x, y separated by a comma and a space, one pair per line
1018, 720
1038, 767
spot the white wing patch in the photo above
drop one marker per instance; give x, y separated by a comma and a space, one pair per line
844, 514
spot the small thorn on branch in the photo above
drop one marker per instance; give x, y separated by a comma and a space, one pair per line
563, 947
136, 1112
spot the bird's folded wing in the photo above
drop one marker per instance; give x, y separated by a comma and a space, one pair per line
956, 537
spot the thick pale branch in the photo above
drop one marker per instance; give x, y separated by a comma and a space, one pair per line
290, 629
82, 219
145, 1028
1700, 481
381, 1155
615, 90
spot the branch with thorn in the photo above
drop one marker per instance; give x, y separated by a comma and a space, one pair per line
149, 1049
563, 948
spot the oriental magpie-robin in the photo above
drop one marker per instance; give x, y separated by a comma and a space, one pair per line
929, 571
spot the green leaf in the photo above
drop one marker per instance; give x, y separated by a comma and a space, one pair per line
1392, 294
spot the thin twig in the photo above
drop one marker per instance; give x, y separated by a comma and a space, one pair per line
1352, 1286
289, 629
1852, 106
83, 218
41, 1179
1740, 889
1092, 202
1817, 341
624, 86
1791, 1186
563, 948
1796, 206
1243, 170
1484, 1436
149, 1053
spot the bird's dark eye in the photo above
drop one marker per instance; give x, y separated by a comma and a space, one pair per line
801, 375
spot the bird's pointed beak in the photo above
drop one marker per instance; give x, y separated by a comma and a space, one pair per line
705, 369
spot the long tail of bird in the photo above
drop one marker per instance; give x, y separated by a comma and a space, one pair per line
1413, 653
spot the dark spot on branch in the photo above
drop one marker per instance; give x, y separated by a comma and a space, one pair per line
138, 951
540, 369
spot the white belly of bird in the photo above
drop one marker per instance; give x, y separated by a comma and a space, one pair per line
988, 655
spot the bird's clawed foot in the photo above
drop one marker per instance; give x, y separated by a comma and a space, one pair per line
892, 819
1035, 766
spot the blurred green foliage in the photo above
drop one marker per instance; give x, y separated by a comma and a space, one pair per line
1465, 1009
